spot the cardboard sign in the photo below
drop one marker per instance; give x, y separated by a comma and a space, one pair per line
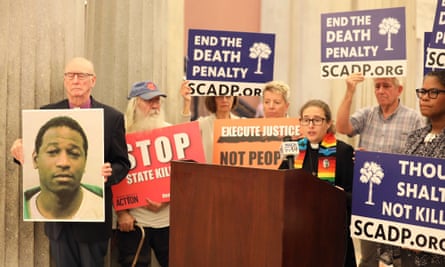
229, 63
399, 200
252, 142
150, 154
372, 42
435, 58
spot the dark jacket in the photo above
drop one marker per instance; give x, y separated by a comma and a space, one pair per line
343, 171
115, 152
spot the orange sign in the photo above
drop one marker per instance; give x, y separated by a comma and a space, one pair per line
252, 142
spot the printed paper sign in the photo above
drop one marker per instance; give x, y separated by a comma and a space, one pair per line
399, 200
150, 154
63, 157
229, 63
372, 42
252, 142
435, 58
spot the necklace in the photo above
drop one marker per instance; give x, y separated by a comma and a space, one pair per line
429, 138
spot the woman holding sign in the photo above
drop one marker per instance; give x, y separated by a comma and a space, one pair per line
220, 107
324, 156
429, 142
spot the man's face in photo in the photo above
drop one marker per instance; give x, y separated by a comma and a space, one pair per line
61, 160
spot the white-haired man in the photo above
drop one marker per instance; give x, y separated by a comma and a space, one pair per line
382, 128
143, 114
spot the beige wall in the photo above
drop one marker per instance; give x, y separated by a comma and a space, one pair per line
36, 40
229, 15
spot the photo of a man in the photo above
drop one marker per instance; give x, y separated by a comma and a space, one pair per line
60, 153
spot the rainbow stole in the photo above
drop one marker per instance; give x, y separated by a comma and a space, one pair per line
326, 157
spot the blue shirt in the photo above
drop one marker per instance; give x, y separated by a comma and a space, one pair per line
384, 135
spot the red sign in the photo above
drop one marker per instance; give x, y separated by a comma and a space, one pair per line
150, 154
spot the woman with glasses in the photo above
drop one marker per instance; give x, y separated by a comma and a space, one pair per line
324, 156
428, 141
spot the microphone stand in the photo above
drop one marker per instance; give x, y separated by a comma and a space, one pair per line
290, 158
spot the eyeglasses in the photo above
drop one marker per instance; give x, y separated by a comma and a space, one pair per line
315, 121
432, 93
80, 75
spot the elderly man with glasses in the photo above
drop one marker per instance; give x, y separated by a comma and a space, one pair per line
85, 244
382, 128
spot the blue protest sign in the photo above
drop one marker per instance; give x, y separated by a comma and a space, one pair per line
435, 58
399, 200
426, 43
229, 63
371, 41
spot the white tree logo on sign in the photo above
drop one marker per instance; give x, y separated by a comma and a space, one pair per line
259, 51
387, 27
371, 173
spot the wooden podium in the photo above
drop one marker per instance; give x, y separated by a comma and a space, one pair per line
248, 217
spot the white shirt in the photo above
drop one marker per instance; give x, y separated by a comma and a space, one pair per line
91, 209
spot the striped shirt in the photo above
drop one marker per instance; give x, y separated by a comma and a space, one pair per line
385, 135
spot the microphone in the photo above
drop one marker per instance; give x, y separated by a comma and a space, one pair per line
289, 149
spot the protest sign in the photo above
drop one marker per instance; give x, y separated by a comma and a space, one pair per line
399, 200
435, 57
150, 153
426, 43
372, 42
252, 142
229, 63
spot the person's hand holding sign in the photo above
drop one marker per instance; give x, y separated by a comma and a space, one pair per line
17, 150
154, 206
354, 79
106, 171
186, 94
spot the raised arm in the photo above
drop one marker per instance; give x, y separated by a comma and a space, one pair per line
185, 93
343, 124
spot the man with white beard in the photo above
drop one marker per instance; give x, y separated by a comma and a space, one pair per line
144, 114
